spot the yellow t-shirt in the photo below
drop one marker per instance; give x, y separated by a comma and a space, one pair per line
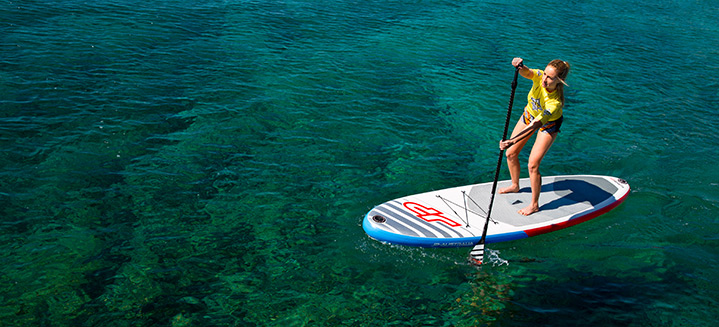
543, 105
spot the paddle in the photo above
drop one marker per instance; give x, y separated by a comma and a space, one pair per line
477, 254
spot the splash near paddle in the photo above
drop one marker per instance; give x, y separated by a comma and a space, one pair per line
455, 217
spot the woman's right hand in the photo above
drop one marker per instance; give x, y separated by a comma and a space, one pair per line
517, 62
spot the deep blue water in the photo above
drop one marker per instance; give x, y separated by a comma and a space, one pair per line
208, 163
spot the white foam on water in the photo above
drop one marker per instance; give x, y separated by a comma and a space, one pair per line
492, 256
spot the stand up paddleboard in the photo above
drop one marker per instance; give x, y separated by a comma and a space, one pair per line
455, 217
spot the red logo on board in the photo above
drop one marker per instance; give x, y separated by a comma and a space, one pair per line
424, 213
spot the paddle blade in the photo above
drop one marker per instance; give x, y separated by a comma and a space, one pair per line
476, 256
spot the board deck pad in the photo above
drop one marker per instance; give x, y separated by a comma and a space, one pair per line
440, 218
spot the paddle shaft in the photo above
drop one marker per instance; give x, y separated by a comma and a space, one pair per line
501, 155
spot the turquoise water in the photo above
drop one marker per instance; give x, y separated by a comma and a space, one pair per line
208, 163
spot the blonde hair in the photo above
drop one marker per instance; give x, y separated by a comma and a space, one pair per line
562, 68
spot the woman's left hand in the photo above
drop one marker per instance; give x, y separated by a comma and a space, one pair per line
504, 145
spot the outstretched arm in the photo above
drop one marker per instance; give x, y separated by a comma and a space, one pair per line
524, 70
527, 131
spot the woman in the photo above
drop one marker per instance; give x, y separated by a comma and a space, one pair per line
544, 113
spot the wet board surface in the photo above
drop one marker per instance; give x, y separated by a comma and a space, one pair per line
440, 218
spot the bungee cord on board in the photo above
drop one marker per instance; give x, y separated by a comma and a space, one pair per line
466, 208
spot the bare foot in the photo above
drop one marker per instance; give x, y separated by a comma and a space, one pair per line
509, 189
529, 210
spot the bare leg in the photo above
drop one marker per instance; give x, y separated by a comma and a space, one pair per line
541, 146
513, 159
